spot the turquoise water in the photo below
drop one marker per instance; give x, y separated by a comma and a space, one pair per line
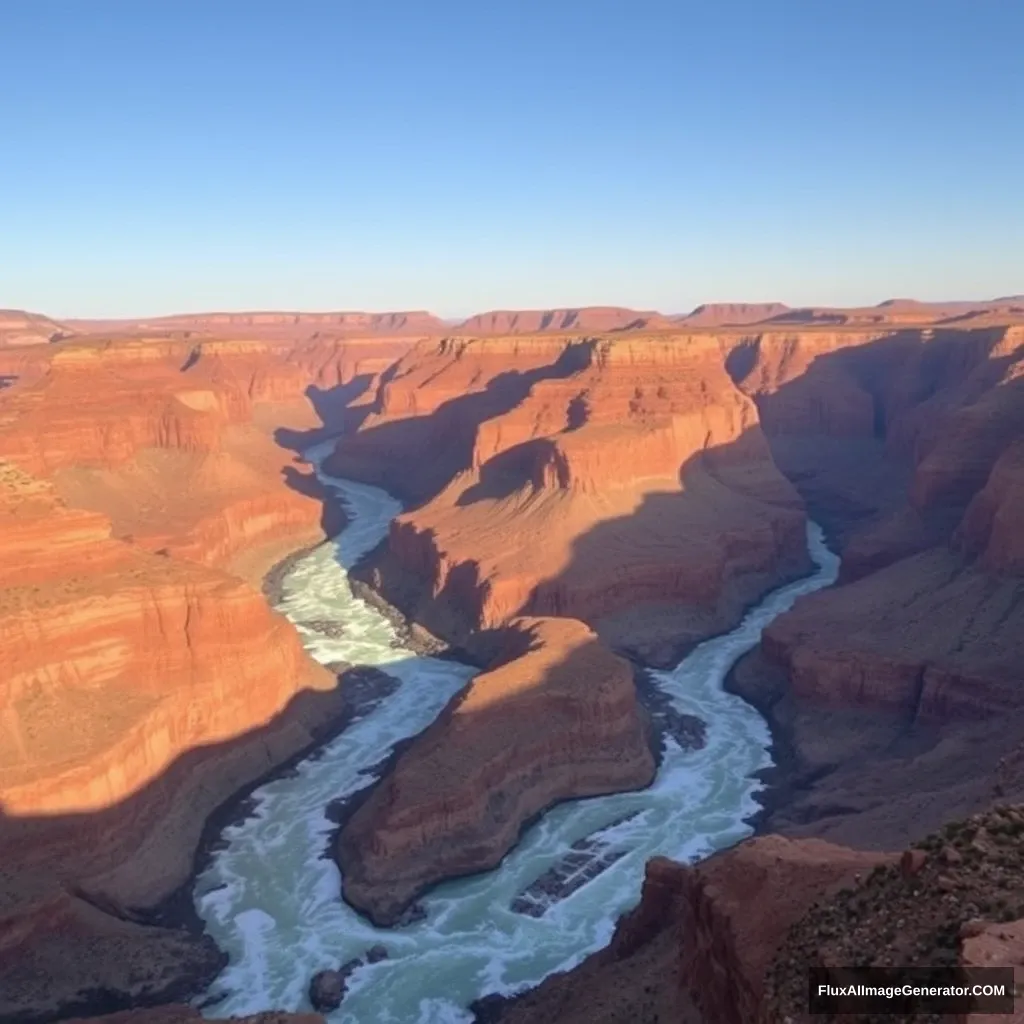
272, 901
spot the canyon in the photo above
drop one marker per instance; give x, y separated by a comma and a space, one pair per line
587, 492
143, 495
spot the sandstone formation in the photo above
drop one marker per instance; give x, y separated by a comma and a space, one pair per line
955, 898
624, 482
20, 328
697, 947
916, 469
142, 681
729, 314
997, 945
293, 325
592, 319
736, 909
554, 717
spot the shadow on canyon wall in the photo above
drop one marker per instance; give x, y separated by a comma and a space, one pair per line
849, 433
845, 433
434, 447
96, 910
334, 407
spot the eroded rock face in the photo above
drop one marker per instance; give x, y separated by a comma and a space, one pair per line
623, 482
737, 907
697, 946
997, 945
555, 718
141, 684
292, 325
18, 328
596, 319
897, 692
172, 441
953, 898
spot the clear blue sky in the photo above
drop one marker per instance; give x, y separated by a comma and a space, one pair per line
458, 155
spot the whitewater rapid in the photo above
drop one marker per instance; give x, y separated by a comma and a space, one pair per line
271, 899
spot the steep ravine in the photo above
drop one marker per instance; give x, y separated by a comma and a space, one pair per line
270, 895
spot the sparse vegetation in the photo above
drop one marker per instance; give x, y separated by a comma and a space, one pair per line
914, 915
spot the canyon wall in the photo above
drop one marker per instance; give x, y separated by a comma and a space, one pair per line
555, 717
142, 681
593, 319
625, 482
898, 692
698, 946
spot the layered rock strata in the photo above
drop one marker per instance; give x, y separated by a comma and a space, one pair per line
697, 947
141, 684
897, 693
623, 482
555, 717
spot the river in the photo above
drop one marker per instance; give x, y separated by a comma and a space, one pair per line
271, 899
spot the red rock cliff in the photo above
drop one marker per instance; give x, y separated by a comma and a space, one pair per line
556, 718
625, 482
140, 684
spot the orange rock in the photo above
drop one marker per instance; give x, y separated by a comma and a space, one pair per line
625, 482
18, 328
555, 718
737, 907
598, 319
150, 658
726, 314
140, 685
997, 945
293, 325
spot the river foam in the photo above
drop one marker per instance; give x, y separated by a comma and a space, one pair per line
271, 899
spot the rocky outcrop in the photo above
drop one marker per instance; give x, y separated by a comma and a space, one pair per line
555, 717
624, 482
151, 658
954, 898
997, 945
19, 328
736, 909
141, 684
729, 314
293, 325
697, 947
593, 319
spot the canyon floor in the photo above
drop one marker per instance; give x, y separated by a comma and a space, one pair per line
587, 492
